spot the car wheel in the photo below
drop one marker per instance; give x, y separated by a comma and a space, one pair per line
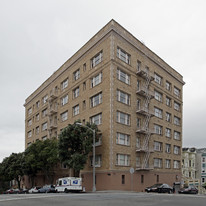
169, 191
66, 191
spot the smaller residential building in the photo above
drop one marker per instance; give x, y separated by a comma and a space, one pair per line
201, 165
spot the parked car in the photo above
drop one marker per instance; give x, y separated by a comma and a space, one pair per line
188, 190
47, 189
23, 191
34, 189
12, 191
160, 188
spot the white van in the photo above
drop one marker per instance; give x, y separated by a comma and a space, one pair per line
66, 184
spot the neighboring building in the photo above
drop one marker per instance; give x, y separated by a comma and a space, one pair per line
189, 167
201, 165
133, 96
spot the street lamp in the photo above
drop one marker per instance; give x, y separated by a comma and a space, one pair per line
93, 160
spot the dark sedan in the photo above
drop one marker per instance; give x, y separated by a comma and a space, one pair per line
47, 189
160, 188
188, 190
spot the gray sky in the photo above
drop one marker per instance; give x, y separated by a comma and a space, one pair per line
38, 36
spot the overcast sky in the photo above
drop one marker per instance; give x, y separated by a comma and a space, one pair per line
38, 36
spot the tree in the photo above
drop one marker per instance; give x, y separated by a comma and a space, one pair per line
75, 143
12, 168
41, 156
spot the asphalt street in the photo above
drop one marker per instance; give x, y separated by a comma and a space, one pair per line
102, 199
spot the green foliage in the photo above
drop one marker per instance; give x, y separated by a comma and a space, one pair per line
75, 143
42, 156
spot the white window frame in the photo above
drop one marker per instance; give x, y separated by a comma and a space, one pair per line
96, 80
168, 86
96, 100
168, 117
75, 110
176, 164
157, 163
44, 99
176, 91
122, 159
176, 106
44, 126
37, 130
64, 84
168, 102
64, 100
30, 111
29, 134
123, 76
123, 139
123, 118
168, 148
177, 121
64, 116
176, 135
44, 112
168, 132
76, 92
176, 150
167, 164
158, 96
37, 117
29, 122
123, 97
157, 146
158, 112
158, 129
97, 59
98, 161
158, 79
123, 55
96, 119
76, 75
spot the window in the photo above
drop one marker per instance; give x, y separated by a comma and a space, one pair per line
176, 164
176, 120
29, 134
123, 97
138, 65
138, 142
44, 113
37, 130
76, 75
97, 119
158, 129
158, 96
64, 116
44, 126
64, 84
123, 179
176, 106
84, 85
167, 164
64, 100
168, 102
157, 163
158, 79
37, 117
99, 140
138, 123
142, 179
84, 67
137, 161
123, 77
122, 160
168, 117
37, 104
168, 86
123, 118
168, 132
30, 122
123, 139
176, 135
124, 56
96, 59
29, 110
158, 146
176, 150
76, 92
44, 138
96, 80
176, 91
44, 99
158, 112
168, 148
75, 110
96, 100
84, 105
98, 161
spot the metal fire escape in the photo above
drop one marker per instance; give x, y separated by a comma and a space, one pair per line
52, 111
144, 110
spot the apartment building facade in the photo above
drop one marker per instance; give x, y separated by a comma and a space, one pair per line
133, 96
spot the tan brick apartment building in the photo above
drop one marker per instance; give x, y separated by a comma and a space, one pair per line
133, 96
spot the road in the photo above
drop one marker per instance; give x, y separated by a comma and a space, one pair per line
102, 199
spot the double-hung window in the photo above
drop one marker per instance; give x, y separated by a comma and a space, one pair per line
96, 80
158, 129
168, 86
123, 139
176, 164
96, 59
76, 110
177, 91
76, 74
168, 132
168, 101
123, 118
167, 163
123, 77
64, 116
96, 100
124, 56
157, 163
123, 97
168, 148
158, 112
64, 100
158, 79
168, 117
123, 160
176, 120
96, 119
158, 146
76, 92
44, 126
64, 84
98, 161
176, 135
176, 150
158, 96
176, 106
